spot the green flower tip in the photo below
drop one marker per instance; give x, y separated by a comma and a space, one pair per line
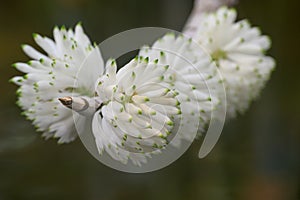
170, 123
181, 35
218, 55
79, 23
133, 74
146, 99
263, 51
125, 137
113, 62
63, 28
149, 126
19, 92
161, 136
171, 34
35, 35
153, 113
229, 9
23, 46
95, 44
24, 113
11, 80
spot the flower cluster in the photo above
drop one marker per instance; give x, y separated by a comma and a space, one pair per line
137, 109
239, 52
171, 86
52, 75
193, 75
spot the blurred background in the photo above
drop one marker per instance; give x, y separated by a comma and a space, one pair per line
256, 158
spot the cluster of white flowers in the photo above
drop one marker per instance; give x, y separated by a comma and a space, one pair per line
239, 52
51, 76
172, 83
131, 122
193, 75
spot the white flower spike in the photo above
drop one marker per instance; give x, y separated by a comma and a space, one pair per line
137, 108
52, 75
239, 52
194, 76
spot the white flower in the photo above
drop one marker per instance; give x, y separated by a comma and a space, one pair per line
52, 75
193, 75
239, 52
137, 108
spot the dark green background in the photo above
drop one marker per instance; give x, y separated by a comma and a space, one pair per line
257, 157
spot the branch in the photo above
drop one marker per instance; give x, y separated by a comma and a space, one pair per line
201, 7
